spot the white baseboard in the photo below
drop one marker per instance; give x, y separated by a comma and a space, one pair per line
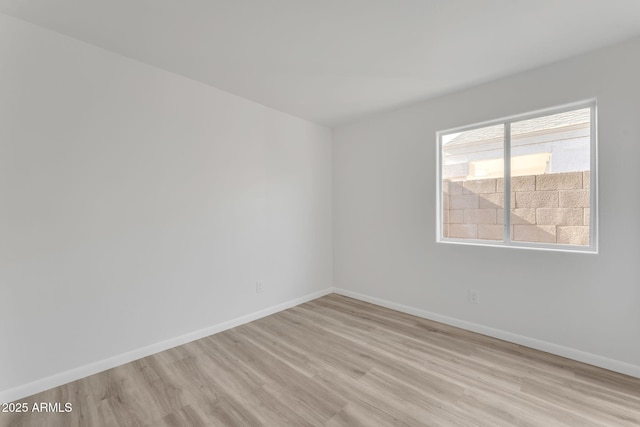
56, 380
559, 350
102, 365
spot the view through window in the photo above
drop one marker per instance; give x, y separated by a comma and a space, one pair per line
540, 164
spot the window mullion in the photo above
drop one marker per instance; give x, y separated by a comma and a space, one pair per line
507, 182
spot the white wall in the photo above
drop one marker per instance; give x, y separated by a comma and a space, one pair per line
384, 218
137, 205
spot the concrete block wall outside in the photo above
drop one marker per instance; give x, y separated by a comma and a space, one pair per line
549, 208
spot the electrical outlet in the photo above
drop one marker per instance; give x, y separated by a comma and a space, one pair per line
474, 296
259, 287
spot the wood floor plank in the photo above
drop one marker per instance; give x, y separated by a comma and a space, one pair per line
186, 416
360, 414
336, 361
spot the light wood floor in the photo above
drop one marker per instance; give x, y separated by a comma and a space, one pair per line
336, 361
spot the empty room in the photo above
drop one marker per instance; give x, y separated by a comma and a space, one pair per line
319, 213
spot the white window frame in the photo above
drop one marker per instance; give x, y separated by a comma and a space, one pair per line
507, 242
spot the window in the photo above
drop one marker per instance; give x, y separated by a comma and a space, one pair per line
541, 165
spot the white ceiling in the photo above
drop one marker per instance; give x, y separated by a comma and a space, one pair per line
332, 61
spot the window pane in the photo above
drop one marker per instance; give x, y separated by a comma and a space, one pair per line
550, 164
472, 184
